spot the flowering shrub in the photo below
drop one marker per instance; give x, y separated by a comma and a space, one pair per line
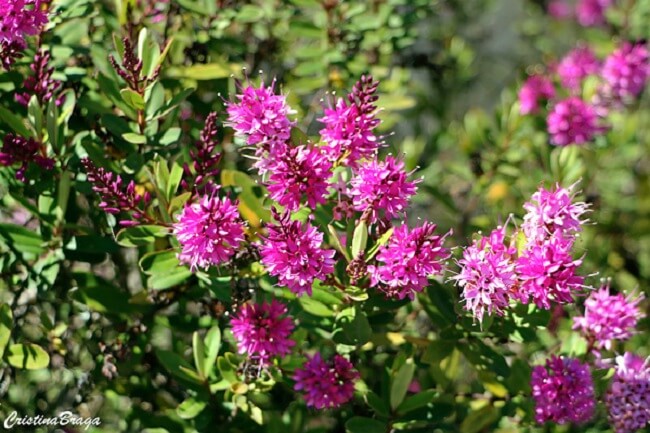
186, 245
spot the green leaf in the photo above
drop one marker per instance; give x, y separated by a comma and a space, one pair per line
6, 324
164, 281
212, 344
177, 366
133, 99
198, 349
250, 14
315, 307
100, 295
140, 235
479, 420
383, 239
377, 404
175, 177
353, 327
190, 408
227, 370
400, 383
134, 138
359, 239
360, 424
27, 356
21, 239
14, 122
201, 72
417, 401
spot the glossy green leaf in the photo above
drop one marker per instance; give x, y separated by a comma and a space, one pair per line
140, 235
359, 424
27, 356
190, 408
400, 383
417, 401
6, 325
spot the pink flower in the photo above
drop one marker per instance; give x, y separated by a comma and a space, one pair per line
326, 384
381, 186
547, 272
563, 391
209, 231
261, 331
300, 171
572, 121
592, 12
626, 71
608, 317
536, 88
292, 252
575, 66
628, 396
559, 9
23, 151
349, 125
487, 274
41, 83
407, 260
21, 18
261, 117
553, 211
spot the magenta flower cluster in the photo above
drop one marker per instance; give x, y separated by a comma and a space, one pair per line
262, 118
40, 84
406, 262
563, 391
381, 188
21, 18
608, 317
326, 384
588, 13
493, 271
300, 173
628, 396
23, 151
292, 252
620, 78
348, 133
262, 330
209, 231
487, 274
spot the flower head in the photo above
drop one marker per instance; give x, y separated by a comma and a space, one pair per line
292, 252
381, 186
115, 197
21, 18
261, 330
536, 88
407, 260
349, 125
626, 71
553, 211
209, 231
559, 9
40, 83
628, 396
261, 117
575, 66
487, 274
19, 150
326, 384
572, 121
563, 391
592, 12
547, 272
608, 317
205, 161
300, 171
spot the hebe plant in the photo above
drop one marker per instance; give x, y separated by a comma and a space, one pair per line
303, 296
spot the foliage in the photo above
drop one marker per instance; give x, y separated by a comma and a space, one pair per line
102, 312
